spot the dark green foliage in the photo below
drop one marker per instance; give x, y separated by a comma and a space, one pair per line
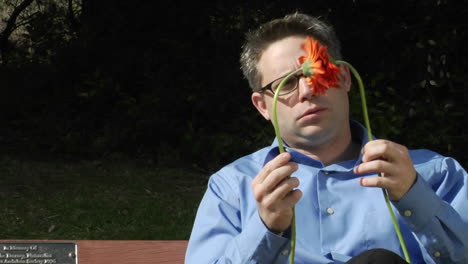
163, 80
112, 199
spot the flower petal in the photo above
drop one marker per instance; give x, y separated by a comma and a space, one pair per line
321, 73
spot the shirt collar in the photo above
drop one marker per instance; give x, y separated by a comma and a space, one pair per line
358, 134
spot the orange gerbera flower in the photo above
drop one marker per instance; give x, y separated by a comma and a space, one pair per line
320, 72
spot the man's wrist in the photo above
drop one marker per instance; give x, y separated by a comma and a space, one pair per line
285, 233
280, 233
276, 232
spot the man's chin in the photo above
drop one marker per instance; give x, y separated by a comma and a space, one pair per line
313, 131
317, 135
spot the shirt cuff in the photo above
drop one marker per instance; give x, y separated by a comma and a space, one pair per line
419, 205
270, 248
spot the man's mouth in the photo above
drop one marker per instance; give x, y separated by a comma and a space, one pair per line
312, 113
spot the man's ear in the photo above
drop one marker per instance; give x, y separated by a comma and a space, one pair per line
345, 77
258, 100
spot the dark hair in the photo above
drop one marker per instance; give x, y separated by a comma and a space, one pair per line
296, 24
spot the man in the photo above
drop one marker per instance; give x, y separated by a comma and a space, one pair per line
246, 213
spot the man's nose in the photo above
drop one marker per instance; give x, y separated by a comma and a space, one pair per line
305, 90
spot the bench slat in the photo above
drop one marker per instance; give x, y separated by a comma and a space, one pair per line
125, 251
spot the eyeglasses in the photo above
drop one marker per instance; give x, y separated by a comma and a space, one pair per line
289, 87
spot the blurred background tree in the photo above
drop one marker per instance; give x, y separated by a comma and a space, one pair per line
87, 79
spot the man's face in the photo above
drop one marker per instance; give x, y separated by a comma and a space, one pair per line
305, 120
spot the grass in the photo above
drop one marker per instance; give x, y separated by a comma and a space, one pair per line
97, 200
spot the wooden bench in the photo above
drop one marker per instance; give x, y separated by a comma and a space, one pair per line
126, 251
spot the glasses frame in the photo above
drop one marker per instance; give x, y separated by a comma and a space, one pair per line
268, 86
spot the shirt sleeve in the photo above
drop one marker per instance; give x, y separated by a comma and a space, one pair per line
222, 234
436, 210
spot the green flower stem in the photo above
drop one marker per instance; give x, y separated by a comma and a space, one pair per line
369, 136
275, 117
363, 96
281, 150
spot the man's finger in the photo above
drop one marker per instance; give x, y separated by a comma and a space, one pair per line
278, 175
374, 166
381, 149
273, 164
281, 191
292, 198
381, 182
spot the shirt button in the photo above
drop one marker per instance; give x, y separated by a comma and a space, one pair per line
437, 254
285, 252
330, 211
408, 213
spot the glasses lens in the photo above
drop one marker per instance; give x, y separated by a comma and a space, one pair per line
288, 87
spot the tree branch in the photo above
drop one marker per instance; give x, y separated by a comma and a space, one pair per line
24, 21
10, 26
72, 18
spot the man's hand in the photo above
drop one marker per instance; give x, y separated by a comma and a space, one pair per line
275, 194
393, 162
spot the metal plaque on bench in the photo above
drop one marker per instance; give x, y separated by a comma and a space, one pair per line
38, 253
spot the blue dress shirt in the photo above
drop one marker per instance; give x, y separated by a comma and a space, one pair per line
336, 218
